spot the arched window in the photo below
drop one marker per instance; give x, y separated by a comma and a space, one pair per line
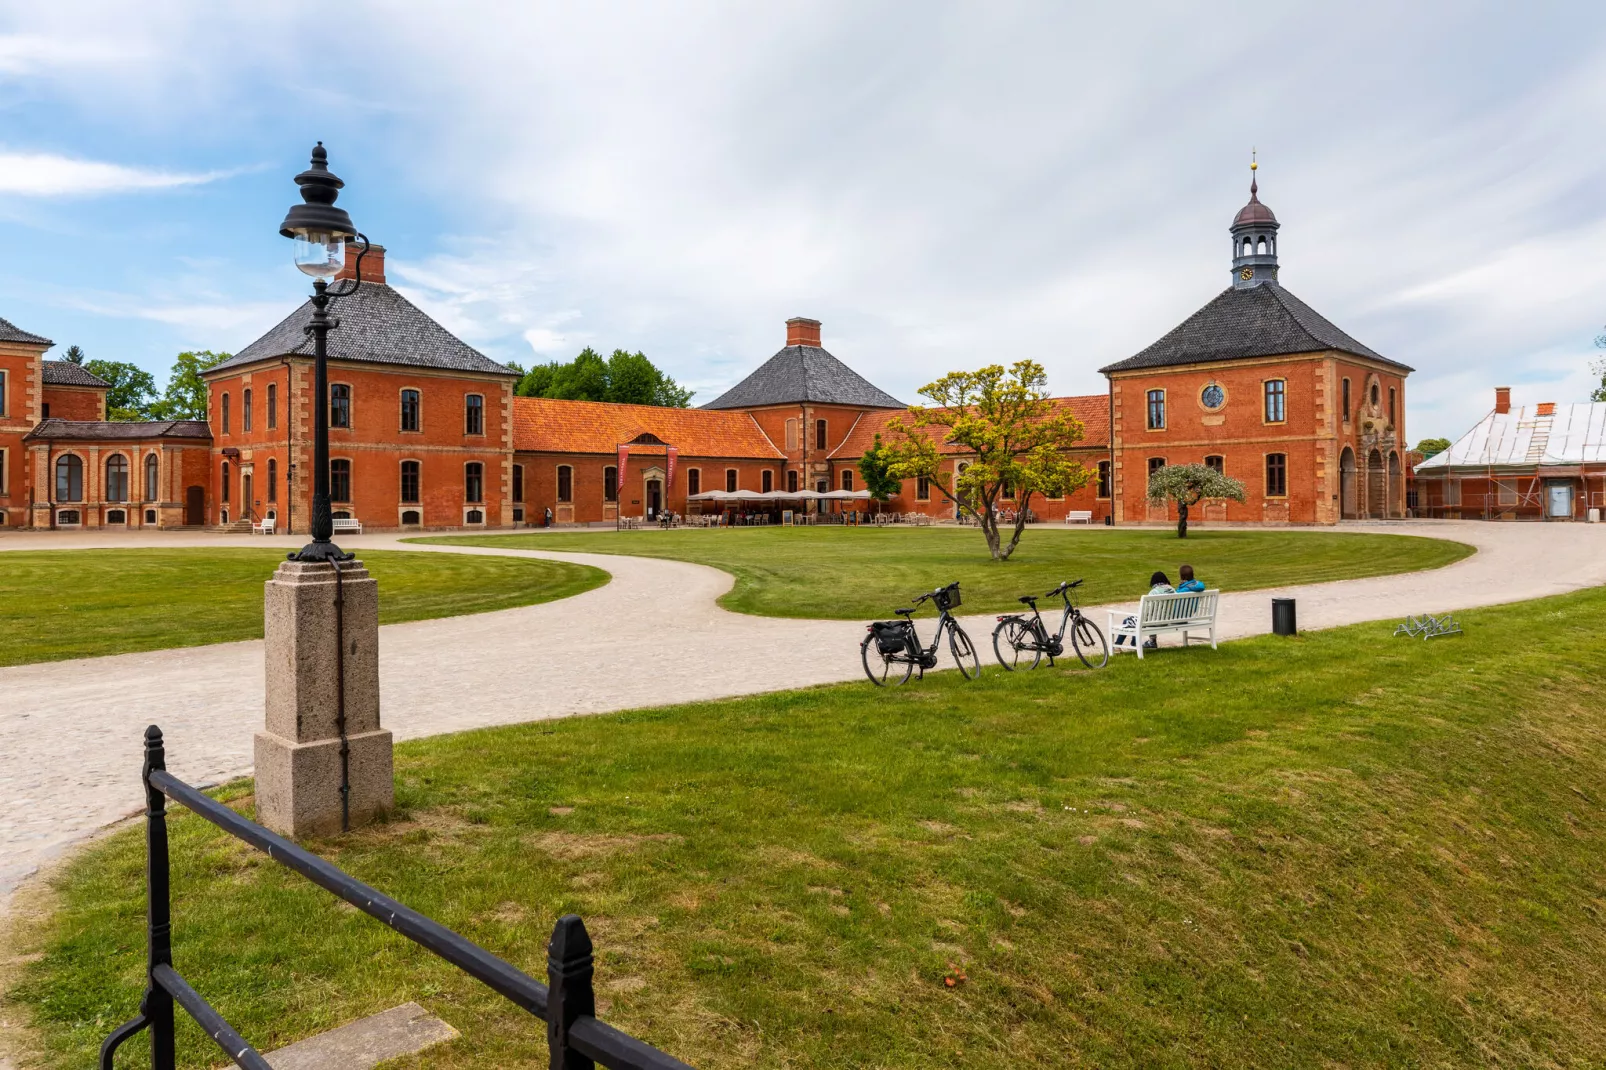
474, 482
224, 483
610, 484
565, 483
1104, 479
847, 479
1394, 399
340, 480
1346, 399
791, 481
730, 481
69, 479
1276, 401
410, 414
273, 479
474, 415
410, 471
1374, 392
791, 435
225, 414
153, 478
245, 410
339, 405
116, 478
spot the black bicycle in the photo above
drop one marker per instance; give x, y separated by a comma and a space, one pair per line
892, 651
1021, 641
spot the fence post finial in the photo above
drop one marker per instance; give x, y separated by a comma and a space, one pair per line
157, 1005
569, 993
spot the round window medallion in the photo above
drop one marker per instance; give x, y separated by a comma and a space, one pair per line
1213, 397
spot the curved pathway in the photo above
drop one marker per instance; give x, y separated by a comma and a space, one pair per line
70, 730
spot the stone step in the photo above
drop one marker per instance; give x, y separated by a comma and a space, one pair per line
367, 1042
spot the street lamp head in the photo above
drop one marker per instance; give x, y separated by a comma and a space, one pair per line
319, 228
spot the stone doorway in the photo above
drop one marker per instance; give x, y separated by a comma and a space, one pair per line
1346, 484
195, 506
1376, 486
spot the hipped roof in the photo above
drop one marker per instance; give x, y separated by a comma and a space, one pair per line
804, 373
1093, 410
550, 425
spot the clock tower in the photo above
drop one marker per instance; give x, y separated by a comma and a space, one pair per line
1254, 240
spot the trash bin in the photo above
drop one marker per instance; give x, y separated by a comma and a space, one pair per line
1282, 617
1593, 516
1109, 521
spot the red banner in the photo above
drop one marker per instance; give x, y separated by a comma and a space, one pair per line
619, 476
673, 452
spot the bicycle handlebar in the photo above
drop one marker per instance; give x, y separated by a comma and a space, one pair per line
1063, 587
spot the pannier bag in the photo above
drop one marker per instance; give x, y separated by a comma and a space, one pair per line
889, 636
948, 599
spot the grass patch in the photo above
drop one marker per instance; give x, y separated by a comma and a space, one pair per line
57, 604
850, 573
1337, 850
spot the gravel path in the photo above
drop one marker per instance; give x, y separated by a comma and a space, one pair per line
70, 731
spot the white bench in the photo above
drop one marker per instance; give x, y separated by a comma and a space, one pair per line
266, 527
1079, 516
1184, 611
347, 525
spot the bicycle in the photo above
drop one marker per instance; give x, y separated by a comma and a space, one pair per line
891, 644
1026, 637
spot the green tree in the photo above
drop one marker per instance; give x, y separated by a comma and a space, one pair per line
133, 389
1189, 484
875, 466
186, 395
1429, 446
623, 377
74, 355
1018, 438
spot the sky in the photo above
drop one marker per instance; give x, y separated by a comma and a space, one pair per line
944, 185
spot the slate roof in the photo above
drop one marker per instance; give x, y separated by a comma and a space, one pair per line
554, 426
66, 373
1528, 437
118, 430
378, 326
10, 332
1258, 321
1092, 409
804, 373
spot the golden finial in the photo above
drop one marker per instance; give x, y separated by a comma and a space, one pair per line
1252, 164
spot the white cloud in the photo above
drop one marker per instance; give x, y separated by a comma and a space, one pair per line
37, 174
24, 54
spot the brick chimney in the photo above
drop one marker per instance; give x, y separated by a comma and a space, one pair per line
801, 331
373, 265
1502, 400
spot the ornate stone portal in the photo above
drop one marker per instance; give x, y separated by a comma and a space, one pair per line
323, 763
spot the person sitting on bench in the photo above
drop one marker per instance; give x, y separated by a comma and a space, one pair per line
1188, 583
1158, 584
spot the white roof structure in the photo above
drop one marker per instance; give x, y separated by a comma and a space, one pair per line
1526, 437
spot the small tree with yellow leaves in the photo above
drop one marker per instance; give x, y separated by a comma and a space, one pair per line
1016, 437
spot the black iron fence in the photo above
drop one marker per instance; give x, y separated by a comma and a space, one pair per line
575, 1038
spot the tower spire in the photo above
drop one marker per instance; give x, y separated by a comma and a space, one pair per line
1254, 165
1254, 236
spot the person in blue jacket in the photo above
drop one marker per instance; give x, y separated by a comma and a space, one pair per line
1188, 582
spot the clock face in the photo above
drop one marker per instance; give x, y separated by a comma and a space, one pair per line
1212, 397
1246, 274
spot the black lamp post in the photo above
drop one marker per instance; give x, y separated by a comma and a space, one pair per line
321, 232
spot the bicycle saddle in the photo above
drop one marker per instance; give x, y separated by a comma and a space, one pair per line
1029, 599
903, 612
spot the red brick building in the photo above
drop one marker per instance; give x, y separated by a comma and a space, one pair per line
1261, 386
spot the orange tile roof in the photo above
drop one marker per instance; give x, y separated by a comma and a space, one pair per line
1092, 409
549, 425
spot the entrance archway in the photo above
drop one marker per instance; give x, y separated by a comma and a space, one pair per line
652, 492
1376, 486
1346, 484
1396, 487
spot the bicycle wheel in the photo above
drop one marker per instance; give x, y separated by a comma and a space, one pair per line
964, 653
1090, 644
1015, 643
883, 669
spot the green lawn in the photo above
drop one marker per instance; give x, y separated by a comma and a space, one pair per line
867, 572
1340, 850
58, 604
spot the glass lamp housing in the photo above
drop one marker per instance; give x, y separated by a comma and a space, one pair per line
320, 254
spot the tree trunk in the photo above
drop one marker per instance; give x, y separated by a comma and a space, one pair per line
989, 528
1182, 520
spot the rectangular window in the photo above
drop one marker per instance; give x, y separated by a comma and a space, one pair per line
610, 484
340, 480
1155, 464
1506, 491
1104, 479
2, 393
819, 434
474, 482
1217, 463
565, 483
70, 478
730, 481
791, 435
847, 479
225, 483
273, 406
273, 479
1393, 402
340, 405
474, 415
694, 481
410, 482
791, 481
245, 411
923, 489
225, 414
3, 488
1276, 475
1346, 400
410, 406
768, 482
1276, 390
1156, 410
518, 482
